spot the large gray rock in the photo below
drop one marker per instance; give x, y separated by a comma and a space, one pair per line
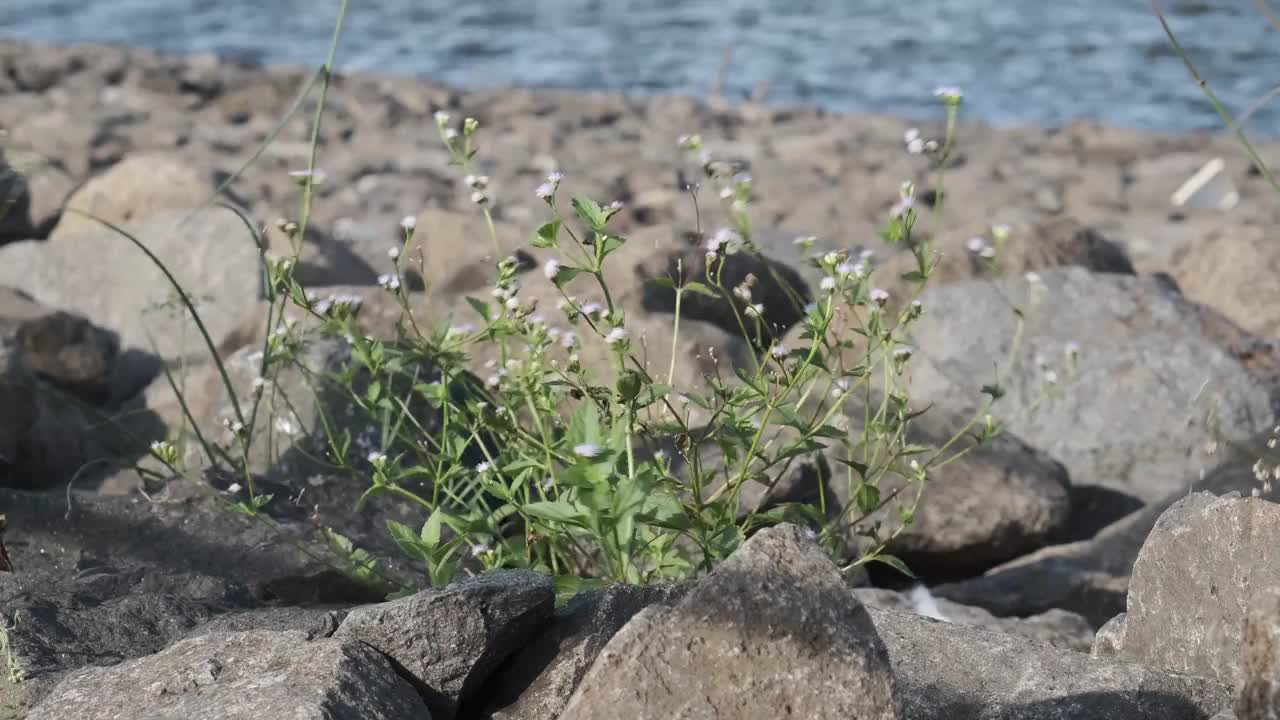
1199, 572
1059, 628
100, 274
539, 680
1091, 577
1142, 363
133, 190
239, 676
447, 642
772, 631
1258, 683
955, 672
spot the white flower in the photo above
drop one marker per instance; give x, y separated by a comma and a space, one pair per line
258, 384
805, 241
743, 293
906, 190
234, 488
389, 282
283, 425
551, 269
756, 310
911, 134
451, 134
1051, 377
779, 351
512, 303
586, 450
878, 296
493, 381
1033, 278
476, 182
725, 239
903, 352
484, 467
592, 308
393, 253
916, 146
408, 223
1000, 232
901, 207
569, 340
841, 387
975, 245
616, 335
545, 191
659, 454
827, 283
948, 94
987, 252
479, 198
479, 549
555, 177
845, 269
1072, 349
615, 206
442, 118
726, 193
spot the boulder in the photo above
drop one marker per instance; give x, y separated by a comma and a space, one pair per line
955, 672
238, 676
772, 631
100, 274
133, 190
1141, 360
448, 642
1257, 691
1228, 269
1202, 568
538, 681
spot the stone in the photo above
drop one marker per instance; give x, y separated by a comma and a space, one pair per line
132, 191
1228, 269
233, 676
1110, 638
538, 681
1199, 572
1059, 628
447, 642
213, 257
1258, 682
954, 672
772, 631
1140, 358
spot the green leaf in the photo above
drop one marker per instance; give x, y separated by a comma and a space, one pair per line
830, 431
611, 243
556, 511
430, 534
590, 212
701, 289
867, 497
893, 562
565, 274
566, 586
408, 541
480, 307
548, 235
584, 427
664, 282
914, 276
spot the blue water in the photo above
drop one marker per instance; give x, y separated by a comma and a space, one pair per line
1019, 61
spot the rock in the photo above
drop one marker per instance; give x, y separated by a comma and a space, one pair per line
1091, 577
32, 193
71, 352
538, 681
133, 191
15, 203
1199, 571
1257, 695
447, 642
243, 675
213, 257
1133, 337
314, 622
778, 601
1110, 638
102, 579
954, 672
1059, 628
1228, 269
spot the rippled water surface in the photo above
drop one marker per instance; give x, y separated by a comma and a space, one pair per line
1019, 61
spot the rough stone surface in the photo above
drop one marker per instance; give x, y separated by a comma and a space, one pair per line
954, 672
1199, 571
213, 257
1145, 388
137, 188
234, 676
1258, 684
1110, 638
1059, 628
447, 642
779, 602
538, 681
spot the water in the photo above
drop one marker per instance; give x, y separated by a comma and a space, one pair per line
1024, 62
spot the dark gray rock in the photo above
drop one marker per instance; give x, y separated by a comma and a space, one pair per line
537, 682
233, 676
448, 642
773, 631
1110, 638
1141, 357
314, 622
1258, 682
955, 672
1200, 570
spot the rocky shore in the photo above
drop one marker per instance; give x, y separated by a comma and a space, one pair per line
1109, 557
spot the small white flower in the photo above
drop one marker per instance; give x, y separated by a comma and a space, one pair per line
1051, 377
545, 191
479, 549
779, 351
615, 206
512, 304
756, 310
476, 182
948, 94
906, 190
586, 450
841, 387
1033, 278
1000, 232
234, 488
377, 459
616, 335
569, 340
283, 425
1072, 349
987, 253
743, 293
903, 352
879, 296
845, 269
551, 269
901, 207
393, 253
916, 146
408, 223
827, 283
484, 467
805, 241
911, 134
555, 177
975, 245
479, 198
726, 193
442, 117
659, 454
258, 384
493, 381
811, 535
592, 308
